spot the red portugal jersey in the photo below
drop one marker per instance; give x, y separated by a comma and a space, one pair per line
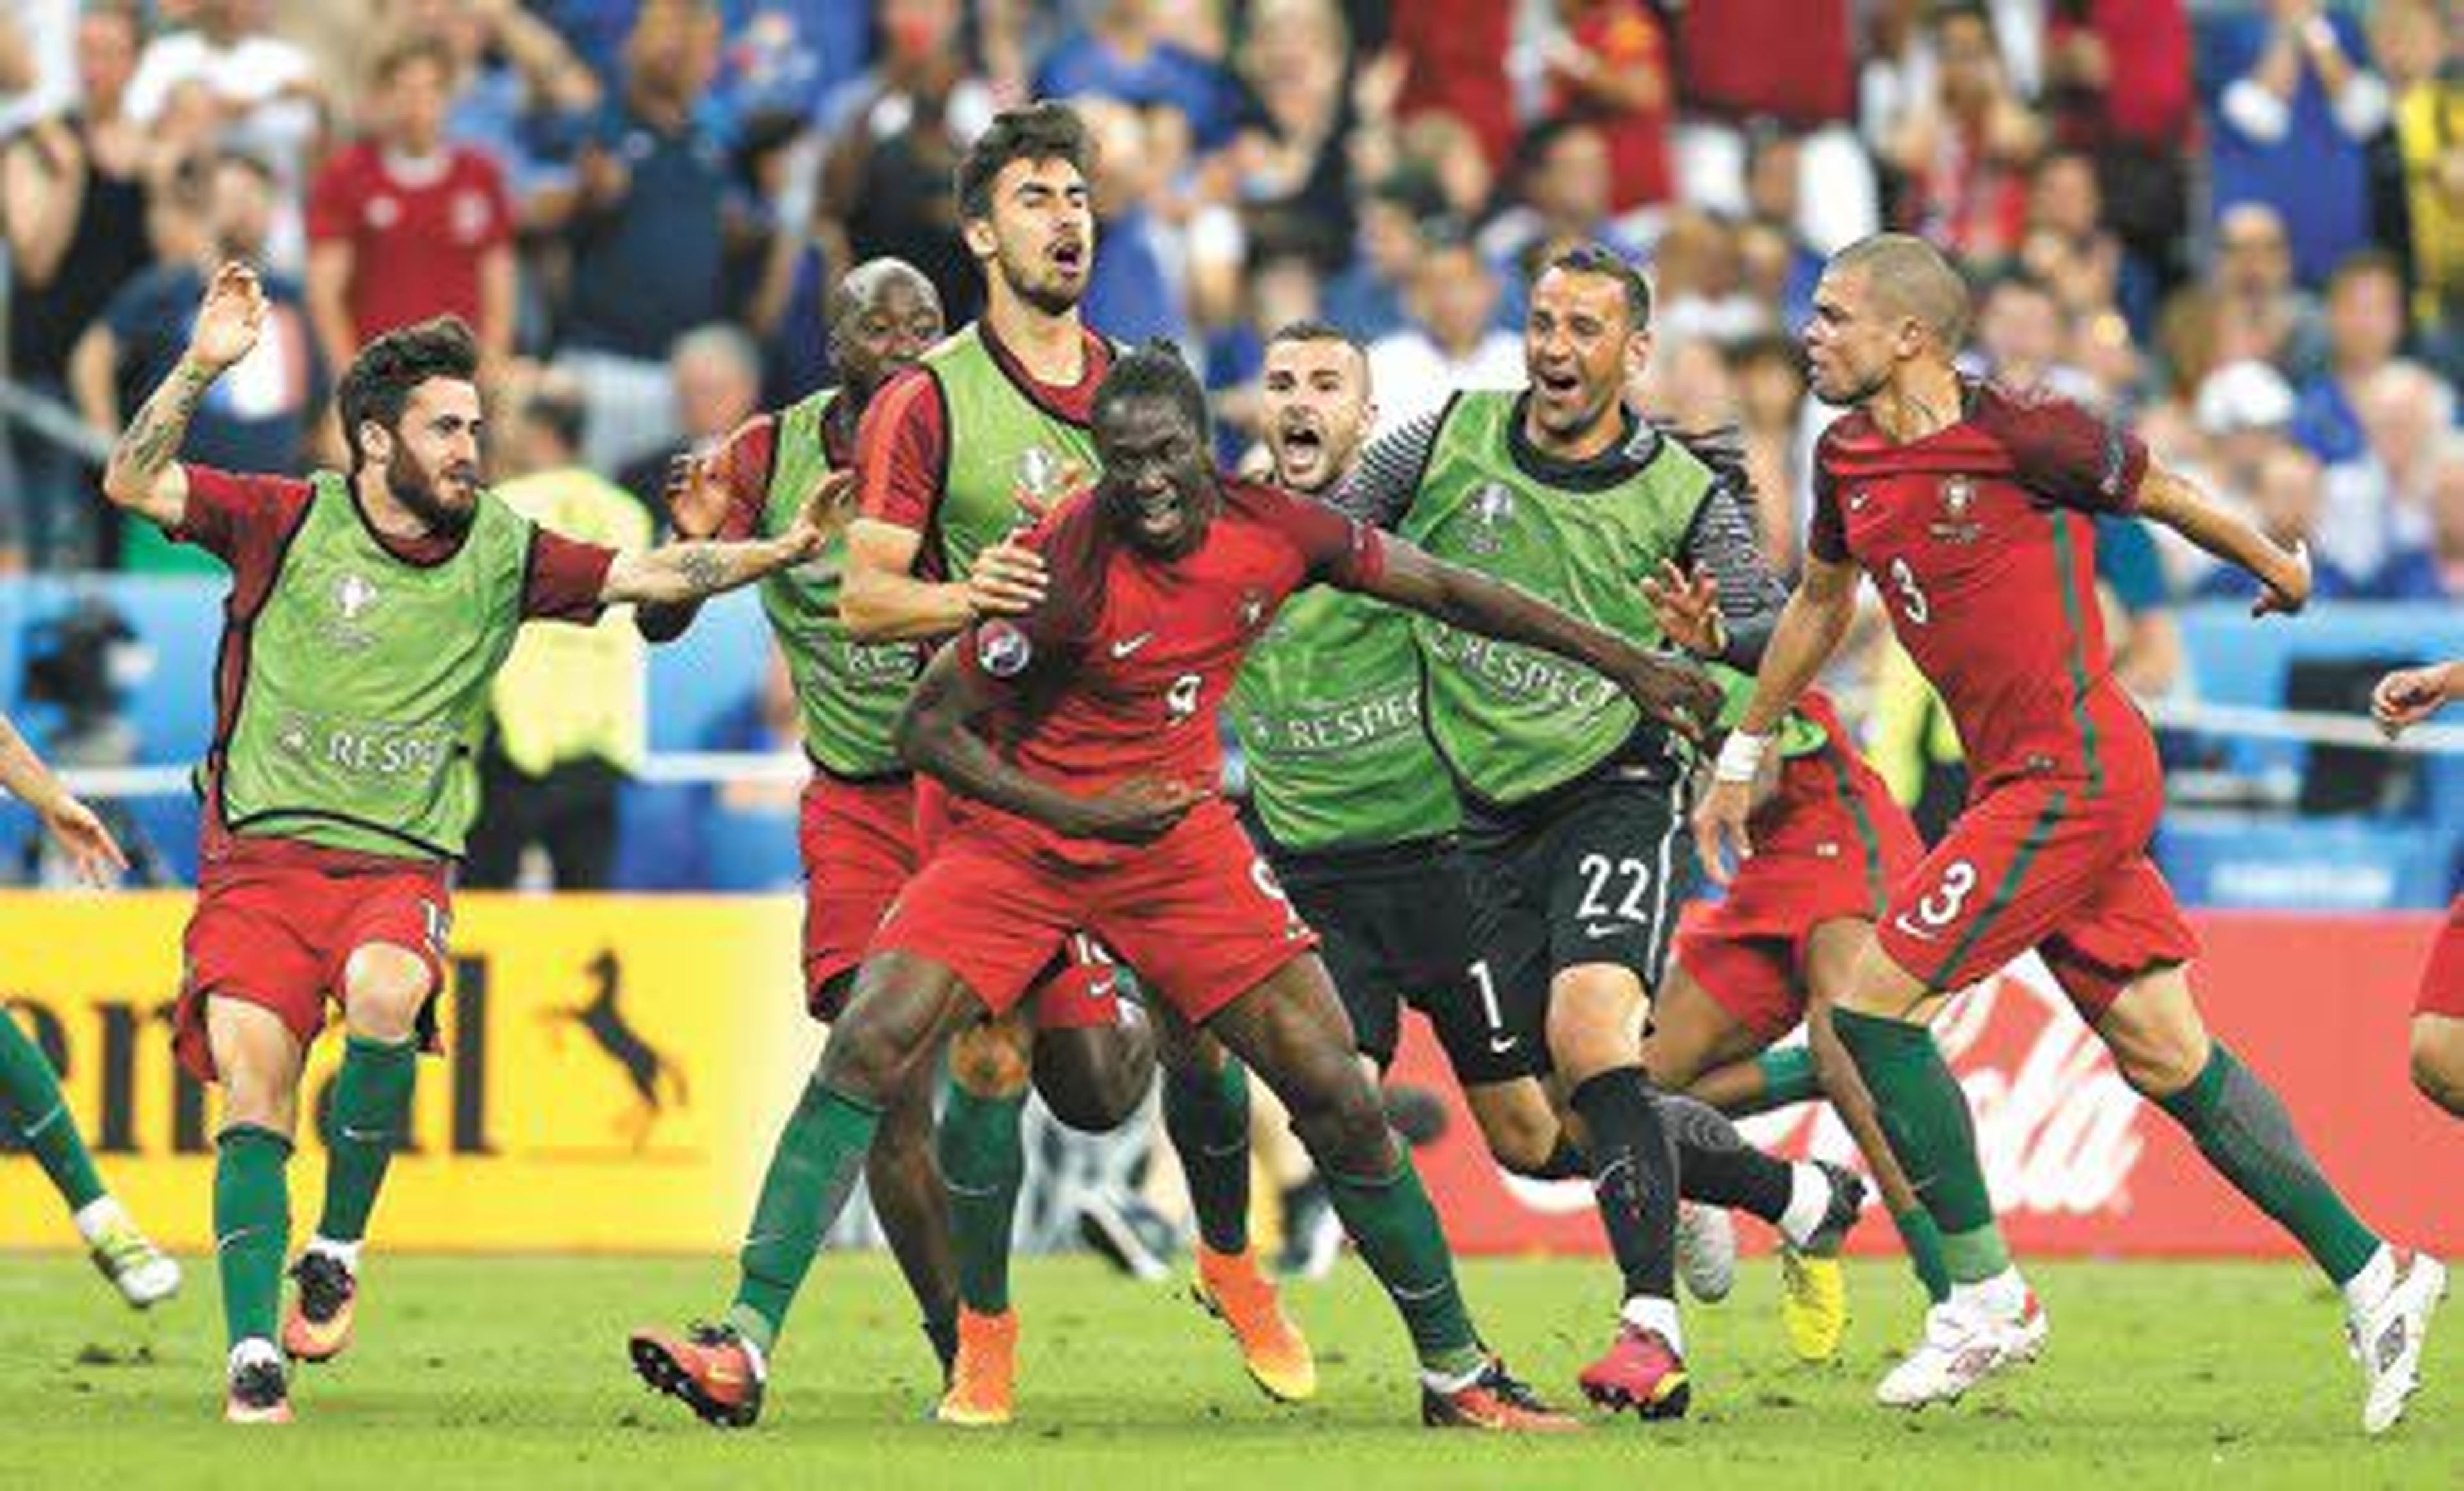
1122, 670
1979, 538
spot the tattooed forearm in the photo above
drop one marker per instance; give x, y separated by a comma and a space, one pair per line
705, 569
153, 439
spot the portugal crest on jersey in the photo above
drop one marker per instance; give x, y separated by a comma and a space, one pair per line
1958, 501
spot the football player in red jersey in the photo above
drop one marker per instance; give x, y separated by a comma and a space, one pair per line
1969, 507
2402, 700
1081, 746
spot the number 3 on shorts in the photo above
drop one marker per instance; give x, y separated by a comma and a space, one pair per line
1939, 909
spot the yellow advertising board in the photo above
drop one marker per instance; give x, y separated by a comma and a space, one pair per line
614, 1071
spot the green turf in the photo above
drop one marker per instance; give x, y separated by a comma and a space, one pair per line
512, 1374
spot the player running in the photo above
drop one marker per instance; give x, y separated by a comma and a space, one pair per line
1969, 507
368, 612
143, 1274
1570, 794
2402, 700
1094, 803
956, 459
857, 834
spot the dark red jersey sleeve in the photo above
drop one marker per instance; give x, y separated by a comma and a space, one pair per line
743, 467
564, 579
242, 520
1826, 535
901, 449
1334, 549
2064, 453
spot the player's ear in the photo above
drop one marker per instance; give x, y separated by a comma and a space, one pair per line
978, 232
1638, 353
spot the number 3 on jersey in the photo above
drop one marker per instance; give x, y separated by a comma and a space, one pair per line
1912, 600
1937, 910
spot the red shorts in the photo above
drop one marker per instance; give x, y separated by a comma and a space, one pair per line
1196, 913
277, 936
1829, 845
858, 841
2442, 982
2042, 863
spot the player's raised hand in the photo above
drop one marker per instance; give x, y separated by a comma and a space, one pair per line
1686, 604
2287, 591
1678, 695
1007, 579
1720, 829
1138, 811
695, 496
2408, 696
229, 318
825, 512
92, 852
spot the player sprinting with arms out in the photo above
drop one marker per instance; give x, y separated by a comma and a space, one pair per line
31, 1090
368, 612
1970, 508
2402, 700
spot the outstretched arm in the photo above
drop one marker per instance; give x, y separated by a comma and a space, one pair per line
694, 570
935, 735
1676, 695
143, 474
2166, 498
2409, 695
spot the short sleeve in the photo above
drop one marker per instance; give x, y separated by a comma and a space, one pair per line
242, 520
744, 464
2068, 455
333, 215
900, 447
564, 579
1335, 550
1007, 652
1826, 536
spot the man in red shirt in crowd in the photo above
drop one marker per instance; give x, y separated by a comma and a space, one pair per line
1082, 743
402, 227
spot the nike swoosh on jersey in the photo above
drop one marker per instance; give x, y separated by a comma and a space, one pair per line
1130, 644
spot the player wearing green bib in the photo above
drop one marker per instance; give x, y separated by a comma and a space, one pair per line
1569, 813
368, 613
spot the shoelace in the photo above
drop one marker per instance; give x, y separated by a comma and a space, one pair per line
258, 1384
1509, 1390
124, 1249
324, 1287
703, 1333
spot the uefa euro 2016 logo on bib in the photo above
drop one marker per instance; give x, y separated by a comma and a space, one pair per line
354, 596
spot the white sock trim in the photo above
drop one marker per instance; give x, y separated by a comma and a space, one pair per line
97, 1217
2003, 1296
2371, 1285
346, 1253
1644, 1312
252, 1349
1445, 1385
1808, 1202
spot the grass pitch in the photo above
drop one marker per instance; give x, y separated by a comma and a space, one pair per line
486, 1373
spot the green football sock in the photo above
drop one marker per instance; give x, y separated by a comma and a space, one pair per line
370, 1118
1924, 1116
1207, 1115
1396, 1231
44, 1124
1923, 1241
251, 1228
1789, 1077
812, 1172
983, 1162
2243, 1130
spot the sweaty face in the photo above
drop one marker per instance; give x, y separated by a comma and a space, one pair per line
433, 467
1041, 236
1315, 399
887, 334
1157, 487
1576, 339
1848, 343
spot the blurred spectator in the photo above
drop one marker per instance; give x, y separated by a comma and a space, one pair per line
1452, 343
1565, 189
766, 720
1446, 147
781, 59
258, 416
2288, 501
2364, 327
2298, 106
1698, 283
1779, 426
2447, 513
1120, 54
714, 377
520, 96
1782, 265
2022, 335
1454, 55
1685, 385
2243, 413
1962, 152
1793, 62
648, 253
37, 61
2417, 167
72, 196
1292, 167
404, 227
2263, 313
250, 89
1138, 287
1610, 68
1367, 297
2071, 250
2118, 86
1279, 292
2379, 503
566, 712
897, 133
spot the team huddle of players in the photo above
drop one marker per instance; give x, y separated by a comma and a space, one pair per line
1474, 665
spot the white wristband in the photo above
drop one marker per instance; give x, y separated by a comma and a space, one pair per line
1741, 756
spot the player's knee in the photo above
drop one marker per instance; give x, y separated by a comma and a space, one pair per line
1523, 1143
383, 988
1344, 1126
259, 1098
1093, 1078
1589, 1038
990, 1060
2438, 1062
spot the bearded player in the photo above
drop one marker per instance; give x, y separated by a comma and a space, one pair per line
1971, 508
368, 612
